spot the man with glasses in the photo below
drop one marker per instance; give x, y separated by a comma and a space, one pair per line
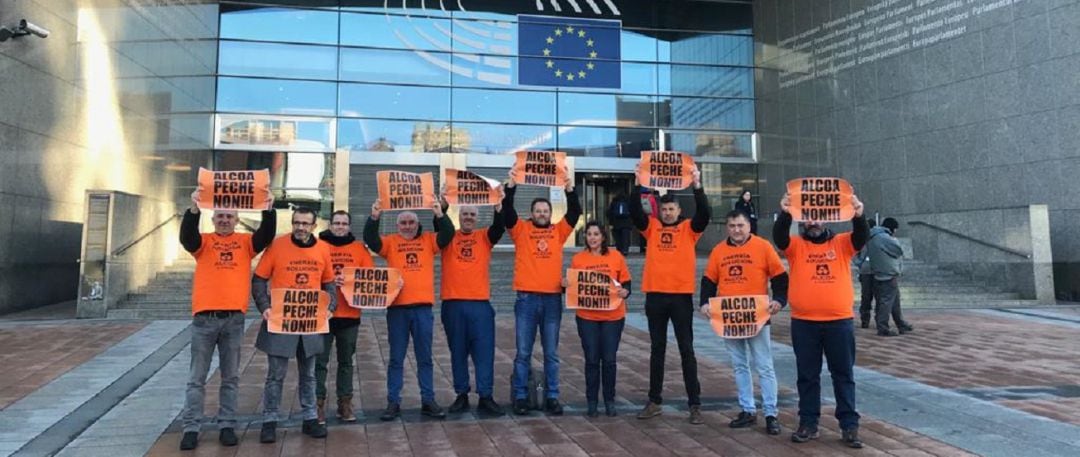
219, 300
294, 261
412, 252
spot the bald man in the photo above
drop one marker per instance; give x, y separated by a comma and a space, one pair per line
413, 253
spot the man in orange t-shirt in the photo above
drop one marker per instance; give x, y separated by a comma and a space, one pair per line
345, 252
822, 321
668, 283
220, 291
467, 316
294, 261
745, 264
412, 252
219, 300
538, 267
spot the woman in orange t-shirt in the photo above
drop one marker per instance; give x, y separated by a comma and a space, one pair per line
601, 331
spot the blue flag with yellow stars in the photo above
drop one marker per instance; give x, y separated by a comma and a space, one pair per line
565, 52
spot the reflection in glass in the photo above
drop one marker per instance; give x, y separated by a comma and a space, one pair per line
483, 70
712, 49
697, 80
378, 65
606, 142
710, 113
276, 96
277, 60
722, 144
395, 31
395, 136
277, 133
279, 24
637, 46
388, 101
606, 110
503, 106
502, 139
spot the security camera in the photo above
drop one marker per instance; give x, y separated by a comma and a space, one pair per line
37, 30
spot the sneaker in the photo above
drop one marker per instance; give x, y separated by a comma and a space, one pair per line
552, 407
189, 441
887, 332
320, 410
345, 409
695, 415
460, 405
805, 433
772, 425
313, 428
227, 437
268, 434
521, 407
609, 410
744, 420
432, 409
851, 438
651, 410
593, 410
392, 411
906, 328
488, 406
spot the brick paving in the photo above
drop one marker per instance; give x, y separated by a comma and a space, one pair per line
35, 354
572, 434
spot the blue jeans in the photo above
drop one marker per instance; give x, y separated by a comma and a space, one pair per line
402, 322
533, 311
600, 343
470, 331
759, 348
836, 341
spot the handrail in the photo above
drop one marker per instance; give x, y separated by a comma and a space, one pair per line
120, 251
971, 239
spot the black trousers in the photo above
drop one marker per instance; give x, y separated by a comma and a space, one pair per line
866, 305
887, 295
679, 309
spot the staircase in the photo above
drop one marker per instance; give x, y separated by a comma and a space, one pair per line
923, 285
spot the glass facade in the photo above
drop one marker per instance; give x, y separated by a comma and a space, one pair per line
432, 77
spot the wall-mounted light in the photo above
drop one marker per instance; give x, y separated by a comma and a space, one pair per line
23, 29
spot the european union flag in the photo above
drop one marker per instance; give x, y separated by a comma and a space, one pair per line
565, 52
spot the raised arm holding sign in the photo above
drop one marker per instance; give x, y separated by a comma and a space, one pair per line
400, 190
467, 188
540, 168
821, 199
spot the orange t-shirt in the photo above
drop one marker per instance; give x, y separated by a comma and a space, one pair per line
350, 255
416, 260
538, 256
222, 273
743, 270
466, 265
670, 262
289, 266
613, 264
820, 288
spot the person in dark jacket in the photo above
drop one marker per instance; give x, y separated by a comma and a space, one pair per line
745, 205
618, 215
866, 283
886, 255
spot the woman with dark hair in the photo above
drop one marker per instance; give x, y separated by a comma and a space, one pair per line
745, 204
601, 331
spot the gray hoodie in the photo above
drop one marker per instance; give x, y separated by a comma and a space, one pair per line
885, 254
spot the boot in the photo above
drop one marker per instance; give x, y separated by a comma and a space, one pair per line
320, 410
345, 409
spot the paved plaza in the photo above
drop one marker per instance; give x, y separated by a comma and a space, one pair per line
982, 382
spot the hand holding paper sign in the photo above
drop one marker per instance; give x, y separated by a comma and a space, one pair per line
785, 203
738, 317
376, 210
822, 200
697, 178
857, 205
241, 190
512, 178
774, 307
195, 201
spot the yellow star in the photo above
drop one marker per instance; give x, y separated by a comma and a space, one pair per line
547, 52
558, 32
558, 73
591, 54
570, 77
581, 34
590, 65
550, 40
581, 74
569, 29
589, 43
550, 64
